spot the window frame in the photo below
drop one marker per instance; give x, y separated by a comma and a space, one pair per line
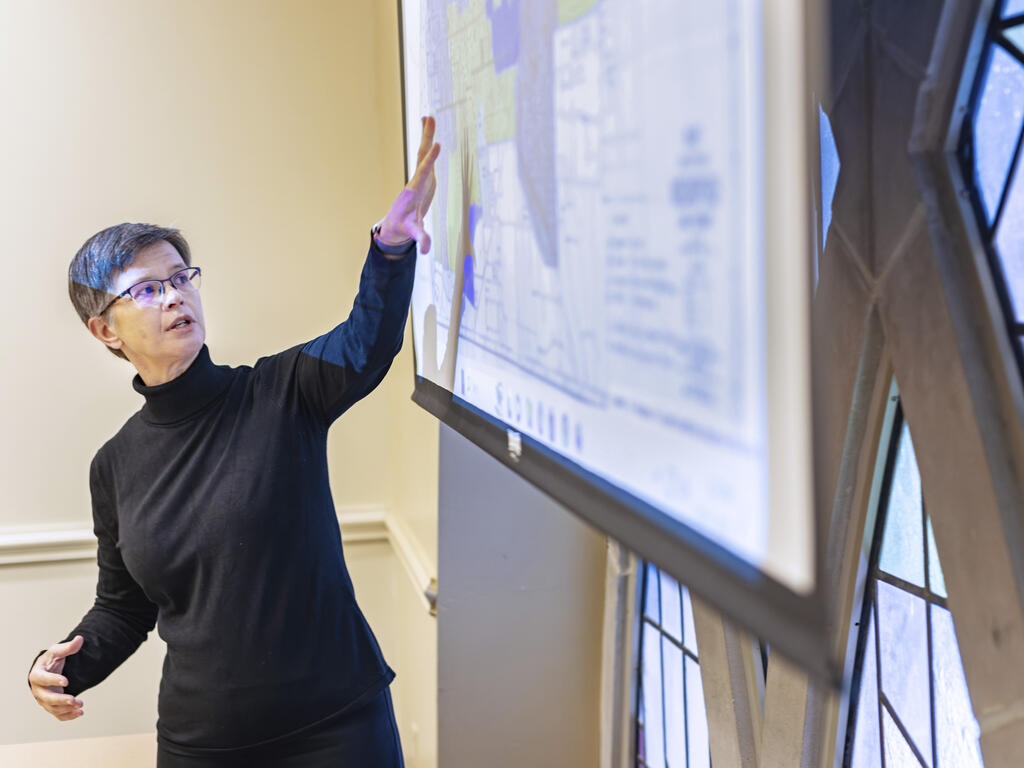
641, 618
966, 176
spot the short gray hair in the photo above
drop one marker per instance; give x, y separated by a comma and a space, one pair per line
96, 265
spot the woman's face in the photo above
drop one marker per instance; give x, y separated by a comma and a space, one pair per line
155, 338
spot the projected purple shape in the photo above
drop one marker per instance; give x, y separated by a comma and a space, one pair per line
468, 288
535, 124
504, 33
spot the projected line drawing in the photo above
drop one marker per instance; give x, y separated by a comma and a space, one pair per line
588, 252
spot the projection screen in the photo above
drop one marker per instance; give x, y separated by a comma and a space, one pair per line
617, 301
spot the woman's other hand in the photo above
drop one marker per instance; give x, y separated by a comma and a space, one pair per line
48, 683
404, 220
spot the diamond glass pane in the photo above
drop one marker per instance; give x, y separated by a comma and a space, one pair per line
897, 752
689, 633
1016, 36
935, 576
670, 606
653, 734
651, 603
956, 729
866, 745
1012, 8
997, 125
903, 648
903, 542
696, 718
675, 713
1009, 242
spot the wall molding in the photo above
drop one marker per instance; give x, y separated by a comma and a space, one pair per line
359, 524
46, 544
418, 567
377, 523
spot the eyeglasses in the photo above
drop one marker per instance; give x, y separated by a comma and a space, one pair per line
150, 292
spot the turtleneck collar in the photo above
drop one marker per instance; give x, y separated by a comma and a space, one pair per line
186, 395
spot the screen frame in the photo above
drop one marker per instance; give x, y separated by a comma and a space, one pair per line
794, 624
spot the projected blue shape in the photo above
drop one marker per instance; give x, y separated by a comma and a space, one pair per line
467, 284
997, 126
1012, 8
829, 173
504, 33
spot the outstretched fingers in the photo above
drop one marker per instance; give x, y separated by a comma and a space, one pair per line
425, 167
429, 125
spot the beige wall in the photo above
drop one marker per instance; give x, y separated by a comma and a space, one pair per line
270, 133
414, 433
42, 599
251, 126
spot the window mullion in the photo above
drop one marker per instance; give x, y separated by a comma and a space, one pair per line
1004, 196
878, 675
928, 628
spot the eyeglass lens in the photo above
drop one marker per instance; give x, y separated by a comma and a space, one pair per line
150, 291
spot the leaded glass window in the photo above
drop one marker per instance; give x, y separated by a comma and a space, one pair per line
991, 154
672, 726
910, 704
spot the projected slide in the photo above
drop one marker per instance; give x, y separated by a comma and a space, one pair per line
597, 275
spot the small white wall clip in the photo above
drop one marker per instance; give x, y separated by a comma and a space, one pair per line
515, 445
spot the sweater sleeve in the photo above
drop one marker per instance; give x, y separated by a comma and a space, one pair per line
337, 369
121, 616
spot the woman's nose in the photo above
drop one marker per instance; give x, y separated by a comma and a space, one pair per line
171, 295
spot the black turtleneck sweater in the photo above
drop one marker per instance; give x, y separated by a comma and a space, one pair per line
215, 523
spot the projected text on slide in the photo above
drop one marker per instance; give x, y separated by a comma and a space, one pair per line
597, 274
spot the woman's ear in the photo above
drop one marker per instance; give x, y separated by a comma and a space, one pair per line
104, 331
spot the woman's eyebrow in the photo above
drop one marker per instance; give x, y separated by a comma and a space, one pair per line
150, 276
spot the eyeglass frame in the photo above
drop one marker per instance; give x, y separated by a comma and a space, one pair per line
126, 293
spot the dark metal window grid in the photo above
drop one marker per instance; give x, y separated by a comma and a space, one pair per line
996, 40
869, 611
680, 643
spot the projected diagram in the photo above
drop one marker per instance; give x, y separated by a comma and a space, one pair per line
596, 280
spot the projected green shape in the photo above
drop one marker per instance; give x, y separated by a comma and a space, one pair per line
570, 10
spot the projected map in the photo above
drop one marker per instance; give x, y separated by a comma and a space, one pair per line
596, 279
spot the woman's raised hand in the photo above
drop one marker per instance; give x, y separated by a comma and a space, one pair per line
404, 220
48, 683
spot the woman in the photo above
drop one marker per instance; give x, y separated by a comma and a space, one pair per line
214, 517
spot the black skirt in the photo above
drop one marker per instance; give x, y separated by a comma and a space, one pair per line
366, 736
